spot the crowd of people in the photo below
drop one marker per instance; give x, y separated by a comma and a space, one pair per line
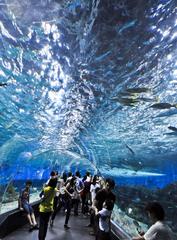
68, 191
96, 199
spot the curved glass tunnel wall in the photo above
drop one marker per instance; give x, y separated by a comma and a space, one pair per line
91, 85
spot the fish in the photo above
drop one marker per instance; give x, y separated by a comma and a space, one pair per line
172, 128
99, 58
145, 99
3, 84
126, 101
168, 113
126, 26
171, 134
138, 90
134, 165
163, 105
130, 149
125, 94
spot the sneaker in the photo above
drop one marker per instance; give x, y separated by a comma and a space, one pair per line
36, 227
31, 228
66, 226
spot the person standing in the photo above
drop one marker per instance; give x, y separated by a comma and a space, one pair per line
105, 193
67, 199
93, 187
101, 196
46, 207
104, 216
57, 204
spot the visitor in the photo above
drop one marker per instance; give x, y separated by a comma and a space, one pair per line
104, 216
57, 203
159, 230
94, 185
67, 199
26, 206
101, 196
46, 207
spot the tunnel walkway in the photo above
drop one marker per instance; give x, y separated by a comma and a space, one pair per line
78, 230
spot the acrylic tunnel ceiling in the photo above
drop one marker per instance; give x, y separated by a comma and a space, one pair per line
88, 84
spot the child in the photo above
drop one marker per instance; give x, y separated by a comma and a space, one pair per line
104, 216
26, 206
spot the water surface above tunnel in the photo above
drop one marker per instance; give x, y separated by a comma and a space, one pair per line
88, 85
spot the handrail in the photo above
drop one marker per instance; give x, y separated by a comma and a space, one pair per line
14, 219
5, 215
119, 232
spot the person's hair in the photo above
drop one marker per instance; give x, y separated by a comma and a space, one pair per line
28, 182
109, 204
110, 182
64, 176
87, 173
156, 209
72, 181
77, 174
70, 174
52, 182
84, 178
94, 179
53, 173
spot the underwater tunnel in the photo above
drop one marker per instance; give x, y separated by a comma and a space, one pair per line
90, 86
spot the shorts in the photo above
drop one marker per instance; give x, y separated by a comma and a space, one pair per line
27, 208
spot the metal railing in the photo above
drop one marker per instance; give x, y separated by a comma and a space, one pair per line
119, 232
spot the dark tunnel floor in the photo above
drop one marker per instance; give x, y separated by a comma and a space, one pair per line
78, 230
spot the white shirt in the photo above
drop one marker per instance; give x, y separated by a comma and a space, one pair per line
79, 184
159, 231
104, 219
92, 190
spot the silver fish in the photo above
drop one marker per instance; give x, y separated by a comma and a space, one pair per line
172, 128
163, 105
